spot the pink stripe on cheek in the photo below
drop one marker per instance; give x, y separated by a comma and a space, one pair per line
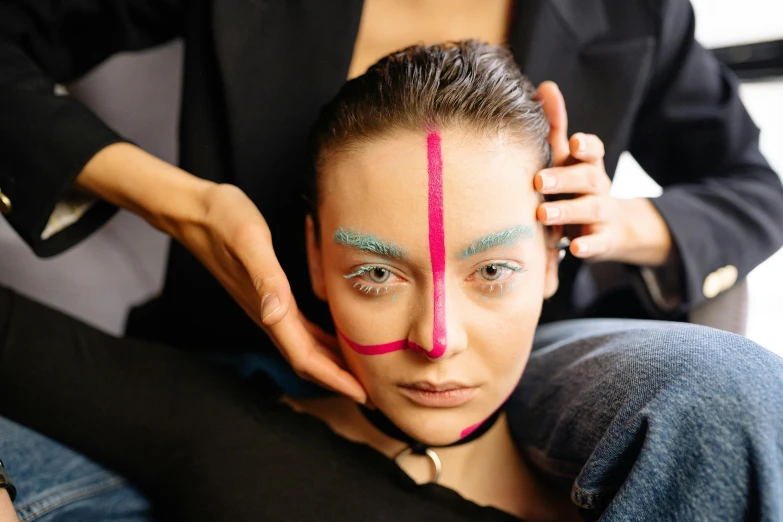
470, 429
381, 349
437, 244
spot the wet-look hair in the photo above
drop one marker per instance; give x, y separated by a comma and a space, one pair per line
466, 84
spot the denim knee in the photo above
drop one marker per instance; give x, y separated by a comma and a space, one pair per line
690, 427
722, 375
624, 364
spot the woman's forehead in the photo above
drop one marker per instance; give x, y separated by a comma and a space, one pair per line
384, 186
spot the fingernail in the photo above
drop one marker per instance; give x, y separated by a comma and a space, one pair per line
552, 213
582, 247
269, 305
582, 144
547, 181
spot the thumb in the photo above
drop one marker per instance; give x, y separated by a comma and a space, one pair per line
257, 255
553, 104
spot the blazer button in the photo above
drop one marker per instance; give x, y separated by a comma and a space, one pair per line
5, 204
730, 274
712, 285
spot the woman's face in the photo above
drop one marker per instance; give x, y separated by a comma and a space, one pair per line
434, 268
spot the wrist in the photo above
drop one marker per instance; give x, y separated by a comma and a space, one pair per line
165, 196
648, 241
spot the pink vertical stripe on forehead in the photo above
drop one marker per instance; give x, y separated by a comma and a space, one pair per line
437, 244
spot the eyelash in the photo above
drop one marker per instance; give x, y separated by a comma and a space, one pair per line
376, 289
366, 287
504, 285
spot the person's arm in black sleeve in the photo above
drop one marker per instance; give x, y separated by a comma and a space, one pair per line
45, 139
721, 200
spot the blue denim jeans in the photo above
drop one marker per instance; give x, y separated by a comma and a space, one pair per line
57, 484
643, 420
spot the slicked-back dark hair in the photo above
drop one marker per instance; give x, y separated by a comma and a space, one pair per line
467, 83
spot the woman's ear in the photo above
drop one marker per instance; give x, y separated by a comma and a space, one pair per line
314, 259
551, 280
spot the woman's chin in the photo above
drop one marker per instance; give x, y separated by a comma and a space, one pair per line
432, 429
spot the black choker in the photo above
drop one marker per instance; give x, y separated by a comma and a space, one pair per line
385, 425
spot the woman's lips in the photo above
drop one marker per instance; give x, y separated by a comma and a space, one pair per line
446, 395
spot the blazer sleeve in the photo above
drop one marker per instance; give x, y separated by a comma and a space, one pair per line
721, 200
46, 139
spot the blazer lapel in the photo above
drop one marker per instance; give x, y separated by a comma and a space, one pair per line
565, 41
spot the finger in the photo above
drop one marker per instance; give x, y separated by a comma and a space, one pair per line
553, 104
328, 340
302, 351
594, 246
582, 178
253, 248
585, 210
331, 355
587, 147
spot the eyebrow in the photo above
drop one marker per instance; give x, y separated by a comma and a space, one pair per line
505, 237
368, 243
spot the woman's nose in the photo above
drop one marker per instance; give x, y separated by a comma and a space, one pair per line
438, 332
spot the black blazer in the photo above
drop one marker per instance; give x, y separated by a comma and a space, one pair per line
257, 72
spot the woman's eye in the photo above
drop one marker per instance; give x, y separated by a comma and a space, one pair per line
491, 272
379, 275
373, 280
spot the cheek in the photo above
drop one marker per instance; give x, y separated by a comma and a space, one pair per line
367, 318
372, 372
503, 335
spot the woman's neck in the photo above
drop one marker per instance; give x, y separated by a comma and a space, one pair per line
488, 470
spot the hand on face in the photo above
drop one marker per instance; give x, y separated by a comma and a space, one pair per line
233, 241
601, 227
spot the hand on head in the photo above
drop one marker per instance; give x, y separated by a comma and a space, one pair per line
600, 226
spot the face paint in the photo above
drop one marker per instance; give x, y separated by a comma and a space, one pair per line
505, 237
470, 429
382, 349
368, 243
396, 346
437, 244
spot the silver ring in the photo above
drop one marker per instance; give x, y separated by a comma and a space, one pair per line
562, 246
436, 465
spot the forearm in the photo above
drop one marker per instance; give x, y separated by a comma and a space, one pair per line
7, 513
46, 139
164, 195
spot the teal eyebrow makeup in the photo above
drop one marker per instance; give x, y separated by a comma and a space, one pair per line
503, 238
368, 243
